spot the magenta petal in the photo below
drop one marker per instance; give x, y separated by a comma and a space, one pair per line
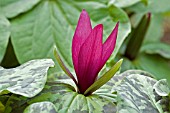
109, 45
82, 32
90, 58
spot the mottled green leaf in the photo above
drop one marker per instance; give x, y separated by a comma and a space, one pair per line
28, 79
41, 107
157, 48
162, 87
104, 79
12, 8
117, 79
53, 23
136, 95
66, 100
4, 35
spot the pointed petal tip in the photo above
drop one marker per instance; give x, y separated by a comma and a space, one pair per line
117, 25
109, 45
99, 26
116, 28
84, 12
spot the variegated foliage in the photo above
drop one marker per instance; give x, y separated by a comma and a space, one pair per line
162, 87
135, 94
41, 107
27, 80
65, 99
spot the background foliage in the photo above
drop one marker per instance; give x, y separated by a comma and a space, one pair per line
29, 29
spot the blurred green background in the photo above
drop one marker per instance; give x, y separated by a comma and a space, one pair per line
29, 29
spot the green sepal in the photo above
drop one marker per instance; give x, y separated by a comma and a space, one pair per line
62, 65
104, 79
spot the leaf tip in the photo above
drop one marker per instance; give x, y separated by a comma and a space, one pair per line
120, 62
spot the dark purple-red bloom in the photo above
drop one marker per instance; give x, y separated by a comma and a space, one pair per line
89, 54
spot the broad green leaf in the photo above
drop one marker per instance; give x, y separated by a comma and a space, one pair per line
157, 48
135, 19
53, 23
41, 107
12, 8
162, 88
9, 60
4, 35
124, 3
136, 95
145, 2
124, 27
154, 64
104, 79
155, 31
28, 79
127, 65
155, 6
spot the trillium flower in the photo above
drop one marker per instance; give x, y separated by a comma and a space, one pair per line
89, 53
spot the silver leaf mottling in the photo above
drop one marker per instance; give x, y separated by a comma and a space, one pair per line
162, 87
41, 107
136, 94
28, 79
